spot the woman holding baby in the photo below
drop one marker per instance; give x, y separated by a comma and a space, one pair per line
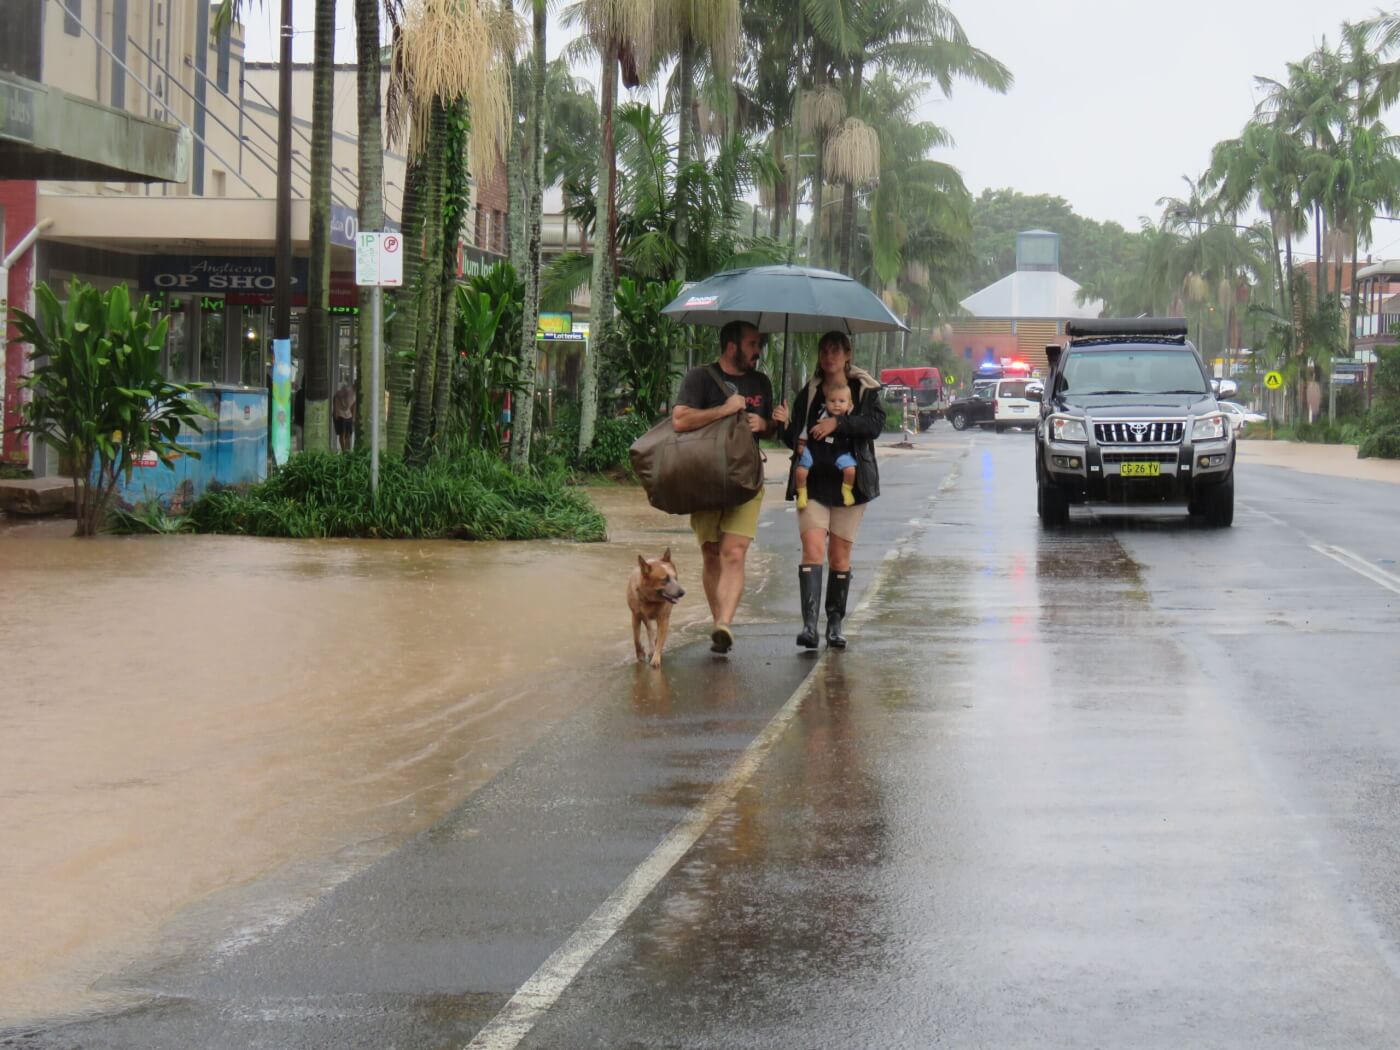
835, 422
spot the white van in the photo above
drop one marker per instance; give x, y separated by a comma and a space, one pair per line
1012, 408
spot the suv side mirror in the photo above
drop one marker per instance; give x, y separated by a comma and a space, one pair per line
1034, 391
1226, 388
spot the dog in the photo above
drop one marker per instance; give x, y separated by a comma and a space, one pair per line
652, 588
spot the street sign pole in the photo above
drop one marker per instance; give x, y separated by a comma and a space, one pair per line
378, 263
375, 396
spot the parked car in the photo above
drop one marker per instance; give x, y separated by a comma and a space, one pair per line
998, 403
1240, 416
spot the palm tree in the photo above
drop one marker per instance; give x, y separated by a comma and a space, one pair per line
523, 422
316, 342
620, 32
448, 51
911, 38
370, 211
697, 32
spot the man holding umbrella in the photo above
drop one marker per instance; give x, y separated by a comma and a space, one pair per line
725, 535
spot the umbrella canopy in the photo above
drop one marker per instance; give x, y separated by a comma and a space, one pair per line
785, 299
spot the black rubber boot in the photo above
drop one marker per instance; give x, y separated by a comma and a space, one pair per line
809, 579
838, 585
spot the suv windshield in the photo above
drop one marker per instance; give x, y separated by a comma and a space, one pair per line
1132, 372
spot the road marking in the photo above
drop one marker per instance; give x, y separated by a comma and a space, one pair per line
534, 998
1359, 565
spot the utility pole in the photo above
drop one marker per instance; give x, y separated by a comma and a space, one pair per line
281, 392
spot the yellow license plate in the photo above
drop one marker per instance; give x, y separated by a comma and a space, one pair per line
1140, 470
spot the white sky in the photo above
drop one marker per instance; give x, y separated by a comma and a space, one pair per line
1114, 100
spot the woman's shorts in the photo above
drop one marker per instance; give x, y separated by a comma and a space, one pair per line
740, 521
843, 522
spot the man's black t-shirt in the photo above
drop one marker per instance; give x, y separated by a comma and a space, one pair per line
699, 390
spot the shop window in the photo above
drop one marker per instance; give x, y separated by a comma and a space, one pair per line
211, 340
254, 348
178, 364
73, 17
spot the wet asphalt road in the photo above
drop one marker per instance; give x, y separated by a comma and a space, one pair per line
1133, 784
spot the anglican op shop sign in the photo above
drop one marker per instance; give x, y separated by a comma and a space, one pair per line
215, 274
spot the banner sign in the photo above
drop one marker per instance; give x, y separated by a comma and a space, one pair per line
281, 400
345, 224
217, 274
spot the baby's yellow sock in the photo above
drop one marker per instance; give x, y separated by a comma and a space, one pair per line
848, 495
802, 498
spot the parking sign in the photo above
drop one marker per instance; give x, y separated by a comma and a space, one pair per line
379, 259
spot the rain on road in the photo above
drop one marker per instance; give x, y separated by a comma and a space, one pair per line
1130, 784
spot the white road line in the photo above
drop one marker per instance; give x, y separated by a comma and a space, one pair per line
1359, 565
534, 998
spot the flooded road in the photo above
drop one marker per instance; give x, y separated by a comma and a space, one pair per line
210, 730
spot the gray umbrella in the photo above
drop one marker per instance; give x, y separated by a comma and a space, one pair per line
785, 299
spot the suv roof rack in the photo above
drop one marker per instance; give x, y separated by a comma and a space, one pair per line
1103, 327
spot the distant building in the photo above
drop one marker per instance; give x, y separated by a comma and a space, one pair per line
1019, 314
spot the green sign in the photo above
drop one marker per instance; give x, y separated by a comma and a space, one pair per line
16, 112
1273, 380
555, 324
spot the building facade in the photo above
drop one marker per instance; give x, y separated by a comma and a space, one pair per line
203, 246
1016, 317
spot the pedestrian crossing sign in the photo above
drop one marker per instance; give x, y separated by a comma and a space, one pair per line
1273, 380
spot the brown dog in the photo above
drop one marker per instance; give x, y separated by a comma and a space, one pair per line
652, 589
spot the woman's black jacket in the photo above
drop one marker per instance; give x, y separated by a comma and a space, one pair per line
862, 425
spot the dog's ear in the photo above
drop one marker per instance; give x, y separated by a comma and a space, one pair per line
666, 555
641, 560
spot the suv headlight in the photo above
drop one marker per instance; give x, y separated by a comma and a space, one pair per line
1210, 428
1067, 428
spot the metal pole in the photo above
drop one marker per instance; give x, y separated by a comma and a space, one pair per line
375, 397
282, 293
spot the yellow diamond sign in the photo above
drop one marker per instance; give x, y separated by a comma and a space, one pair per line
1273, 380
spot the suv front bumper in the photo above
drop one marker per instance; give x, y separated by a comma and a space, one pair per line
1092, 473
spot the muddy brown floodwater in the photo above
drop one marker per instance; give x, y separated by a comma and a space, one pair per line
198, 732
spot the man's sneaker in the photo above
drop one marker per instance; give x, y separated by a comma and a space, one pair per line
721, 639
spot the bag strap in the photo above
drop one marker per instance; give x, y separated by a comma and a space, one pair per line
718, 377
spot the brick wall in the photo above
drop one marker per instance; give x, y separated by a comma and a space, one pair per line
19, 201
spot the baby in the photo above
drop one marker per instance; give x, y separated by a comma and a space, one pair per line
832, 451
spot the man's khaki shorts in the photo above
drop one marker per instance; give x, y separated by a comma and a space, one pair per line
842, 522
740, 521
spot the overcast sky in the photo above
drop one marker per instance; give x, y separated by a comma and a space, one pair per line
1114, 100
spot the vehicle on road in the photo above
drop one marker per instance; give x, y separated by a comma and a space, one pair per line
996, 403
1241, 416
924, 388
1129, 417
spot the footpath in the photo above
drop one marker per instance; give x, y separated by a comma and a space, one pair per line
1336, 461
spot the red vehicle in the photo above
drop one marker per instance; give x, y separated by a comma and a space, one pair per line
925, 386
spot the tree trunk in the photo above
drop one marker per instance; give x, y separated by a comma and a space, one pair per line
426, 340
456, 197
848, 197
515, 209
604, 232
1354, 311
814, 238
405, 328
684, 145
774, 219
316, 345
524, 418
371, 175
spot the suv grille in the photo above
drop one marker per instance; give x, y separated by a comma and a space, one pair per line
1143, 432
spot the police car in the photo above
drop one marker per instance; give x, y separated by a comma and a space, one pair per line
1129, 416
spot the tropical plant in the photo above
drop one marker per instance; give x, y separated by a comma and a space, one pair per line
488, 367
97, 395
470, 496
646, 347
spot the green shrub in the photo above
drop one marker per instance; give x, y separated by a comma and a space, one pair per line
611, 441
1381, 444
470, 496
146, 519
